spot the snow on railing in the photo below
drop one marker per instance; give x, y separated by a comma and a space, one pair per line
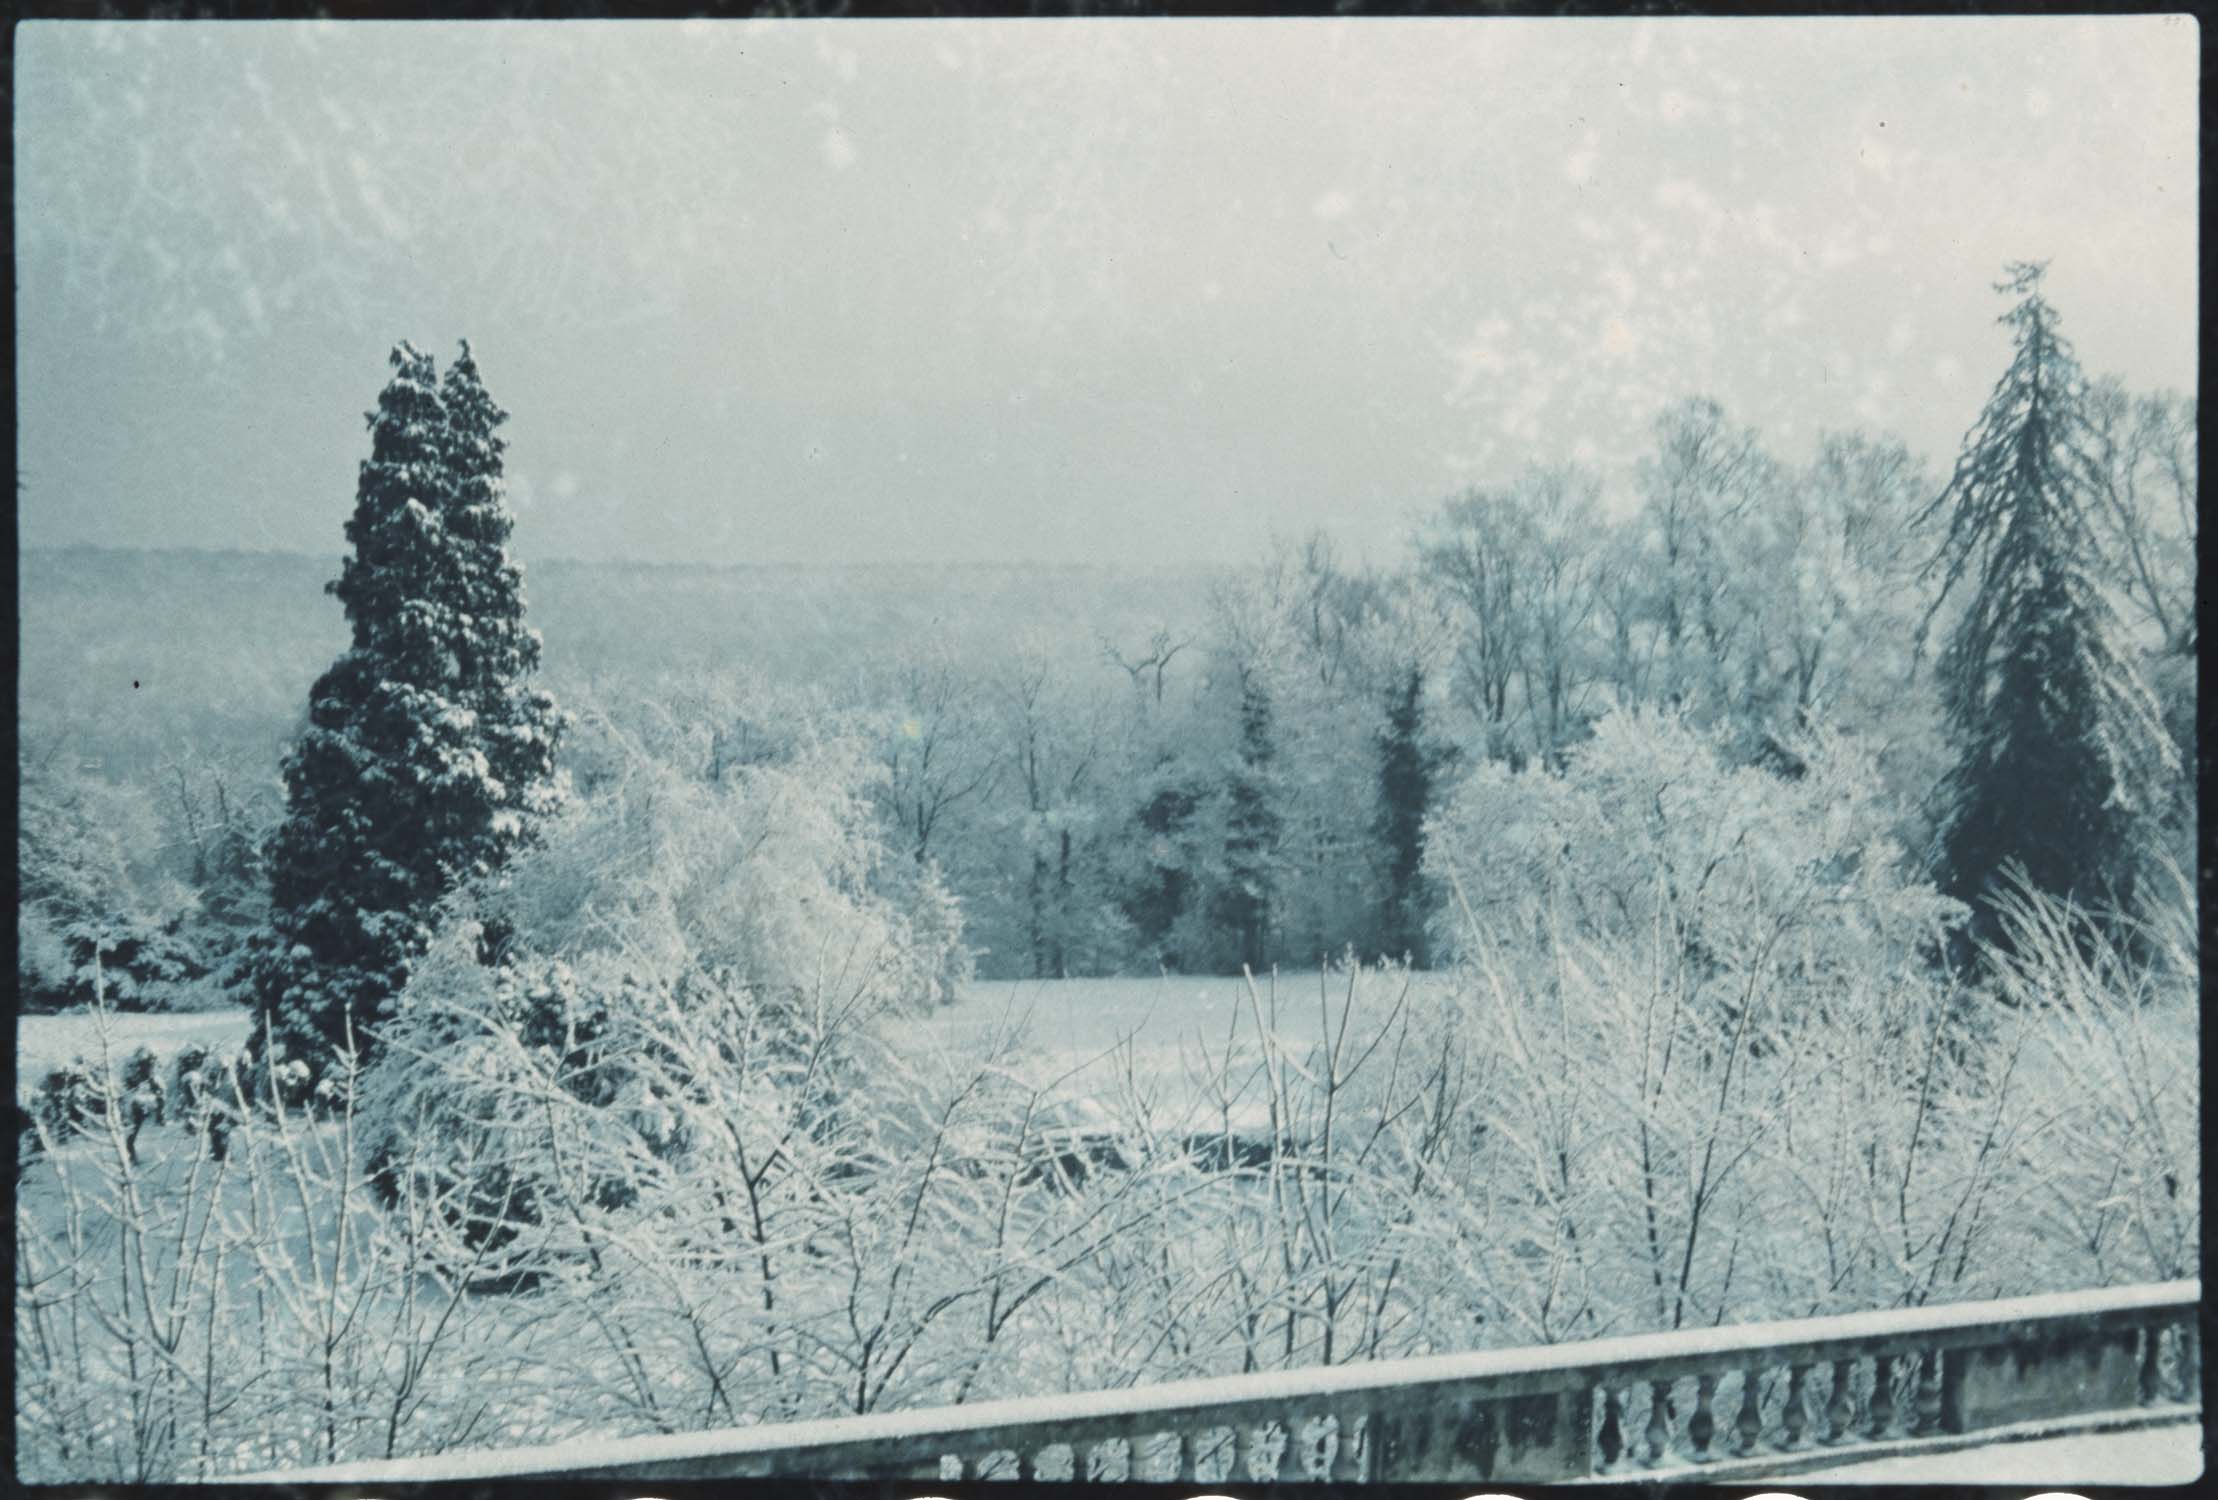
1761, 1398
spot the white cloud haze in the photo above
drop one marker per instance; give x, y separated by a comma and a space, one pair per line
1109, 290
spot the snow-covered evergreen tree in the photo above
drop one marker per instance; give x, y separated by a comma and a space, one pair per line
1247, 903
1408, 769
424, 756
518, 726
2058, 739
1162, 838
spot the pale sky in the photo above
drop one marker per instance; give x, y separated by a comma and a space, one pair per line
1117, 291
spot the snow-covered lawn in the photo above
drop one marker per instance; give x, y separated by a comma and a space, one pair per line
1077, 1019
1063, 1024
1074, 1033
43, 1042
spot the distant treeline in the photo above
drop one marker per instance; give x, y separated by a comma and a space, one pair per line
1113, 770
128, 655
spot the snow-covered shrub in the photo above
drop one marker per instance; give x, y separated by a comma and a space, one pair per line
940, 962
185, 1080
144, 1098
739, 1199
1758, 884
140, 965
191, 1306
659, 892
2113, 1012
67, 1098
290, 1080
446, 1108
93, 906
768, 872
1715, 1071
203, 1091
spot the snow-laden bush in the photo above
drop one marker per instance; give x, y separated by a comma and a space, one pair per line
938, 957
142, 964
94, 907
738, 1203
1755, 883
446, 1107
659, 901
767, 872
195, 1302
1549, 1143
2113, 1052
1755, 1094
66, 1098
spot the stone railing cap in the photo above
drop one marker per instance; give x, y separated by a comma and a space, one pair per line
577, 1454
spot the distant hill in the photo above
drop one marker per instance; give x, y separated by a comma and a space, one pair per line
126, 651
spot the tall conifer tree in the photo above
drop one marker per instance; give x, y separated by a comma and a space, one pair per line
1408, 769
2058, 739
518, 726
424, 756
1247, 906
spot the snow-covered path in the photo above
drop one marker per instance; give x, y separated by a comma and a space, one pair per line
2151, 1455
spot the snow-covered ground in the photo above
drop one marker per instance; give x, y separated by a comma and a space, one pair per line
1081, 1018
1062, 1024
2150, 1455
1074, 1034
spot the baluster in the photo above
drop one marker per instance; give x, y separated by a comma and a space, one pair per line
1928, 1418
2152, 1338
1107, 1461
1610, 1442
1243, 1451
1271, 1443
1702, 1425
1186, 1451
1750, 1427
1355, 1448
2190, 1370
1840, 1408
1796, 1416
1319, 1444
1658, 1434
1882, 1395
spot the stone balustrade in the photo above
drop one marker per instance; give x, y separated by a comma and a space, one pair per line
1749, 1400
